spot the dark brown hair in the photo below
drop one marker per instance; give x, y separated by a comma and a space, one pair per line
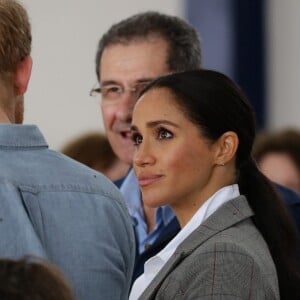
31, 278
91, 148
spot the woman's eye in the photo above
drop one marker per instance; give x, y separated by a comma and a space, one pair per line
137, 139
164, 134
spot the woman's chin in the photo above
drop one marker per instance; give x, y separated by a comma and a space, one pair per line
152, 201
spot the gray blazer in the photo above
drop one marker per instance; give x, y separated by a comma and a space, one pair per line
224, 258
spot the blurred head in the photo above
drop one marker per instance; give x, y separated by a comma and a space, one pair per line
32, 279
94, 151
197, 125
132, 53
15, 62
278, 157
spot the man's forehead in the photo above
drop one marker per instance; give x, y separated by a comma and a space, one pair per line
133, 62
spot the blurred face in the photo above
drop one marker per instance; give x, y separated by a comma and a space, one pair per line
173, 162
127, 66
279, 168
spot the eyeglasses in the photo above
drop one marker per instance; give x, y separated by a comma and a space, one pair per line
114, 91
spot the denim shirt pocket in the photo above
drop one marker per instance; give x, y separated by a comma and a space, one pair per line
32, 207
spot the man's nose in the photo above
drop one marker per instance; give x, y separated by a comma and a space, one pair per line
125, 106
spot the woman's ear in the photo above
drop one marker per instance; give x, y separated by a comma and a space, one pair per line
227, 146
22, 75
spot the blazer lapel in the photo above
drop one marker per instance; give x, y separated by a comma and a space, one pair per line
229, 214
151, 290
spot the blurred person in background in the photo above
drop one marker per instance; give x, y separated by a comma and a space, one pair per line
32, 278
278, 156
94, 150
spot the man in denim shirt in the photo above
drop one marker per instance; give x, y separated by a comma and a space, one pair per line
50, 205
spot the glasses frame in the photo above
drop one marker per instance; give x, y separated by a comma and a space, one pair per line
133, 90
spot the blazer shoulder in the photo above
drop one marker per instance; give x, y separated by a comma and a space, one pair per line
228, 265
225, 255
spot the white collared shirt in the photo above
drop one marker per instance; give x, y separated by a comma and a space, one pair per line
156, 263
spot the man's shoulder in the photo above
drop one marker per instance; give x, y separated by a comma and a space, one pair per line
48, 170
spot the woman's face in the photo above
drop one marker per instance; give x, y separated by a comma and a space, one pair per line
173, 162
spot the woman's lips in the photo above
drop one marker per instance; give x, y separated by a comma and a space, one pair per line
148, 179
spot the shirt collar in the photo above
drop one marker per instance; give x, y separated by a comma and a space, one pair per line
131, 192
156, 263
17, 136
222, 196
164, 213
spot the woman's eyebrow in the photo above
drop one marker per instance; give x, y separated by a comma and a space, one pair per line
155, 123
152, 124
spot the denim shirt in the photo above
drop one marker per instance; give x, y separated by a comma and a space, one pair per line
56, 208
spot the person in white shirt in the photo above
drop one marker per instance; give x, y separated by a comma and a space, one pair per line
193, 133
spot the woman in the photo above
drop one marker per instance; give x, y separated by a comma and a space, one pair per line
193, 133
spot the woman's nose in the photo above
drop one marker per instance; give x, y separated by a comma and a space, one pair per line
143, 156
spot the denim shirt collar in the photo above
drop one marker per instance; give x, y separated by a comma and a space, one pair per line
21, 136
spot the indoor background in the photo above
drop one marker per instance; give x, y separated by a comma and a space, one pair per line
256, 42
